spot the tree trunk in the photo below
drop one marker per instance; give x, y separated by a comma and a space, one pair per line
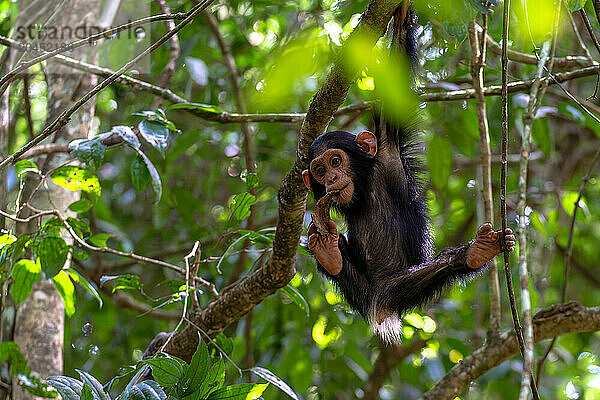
39, 327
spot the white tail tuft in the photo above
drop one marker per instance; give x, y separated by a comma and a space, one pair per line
389, 330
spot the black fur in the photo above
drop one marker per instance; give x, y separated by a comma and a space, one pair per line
385, 268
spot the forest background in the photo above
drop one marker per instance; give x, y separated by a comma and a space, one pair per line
160, 192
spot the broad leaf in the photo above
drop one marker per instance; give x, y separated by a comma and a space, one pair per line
123, 282
575, 5
156, 182
127, 134
52, 253
25, 166
275, 380
90, 287
100, 239
24, 274
80, 206
297, 298
86, 393
205, 108
245, 391
69, 388
11, 250
75, 178
147, 390
66, 290
89, 151
240, 207
155, 133
166, 370
214, 380
93, 383
9, 352
196, 371
81, 228
140, 176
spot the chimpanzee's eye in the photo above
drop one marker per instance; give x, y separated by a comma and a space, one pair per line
336, 161
320, 170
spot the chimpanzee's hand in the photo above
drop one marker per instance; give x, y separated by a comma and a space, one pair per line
488, 244
325, 247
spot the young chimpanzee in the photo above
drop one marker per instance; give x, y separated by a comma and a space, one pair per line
382, 268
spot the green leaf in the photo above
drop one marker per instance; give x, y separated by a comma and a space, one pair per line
90, 287
245, 391
10, 252
140, 176
297, 298
166, 370
258, 237
196, 371
9, 351
240, 207
80, 206
89, 151
93, 383
100, 239
147, 390
214, 380
74, 178
275, 380
568, 203
251, 179
155, 133
66, 290
69, 388
81, 228
540, 133
205, 108
52, 253
439, 159
24, 273
127, 134
156, 183
122, 282
79, 254
25, 166
224, 343
86, 393
575, 5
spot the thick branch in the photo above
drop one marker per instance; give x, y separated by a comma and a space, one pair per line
554, 321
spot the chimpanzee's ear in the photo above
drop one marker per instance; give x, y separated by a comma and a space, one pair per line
367, 142
306, 179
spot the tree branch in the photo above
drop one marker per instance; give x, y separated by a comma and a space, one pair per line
554, 321
387, 360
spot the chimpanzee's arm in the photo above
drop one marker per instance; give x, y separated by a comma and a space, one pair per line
419, 284
353, 284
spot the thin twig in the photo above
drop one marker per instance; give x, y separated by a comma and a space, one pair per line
63, 119
511, 293
12, 74
169, 70
586, 22
478, 50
